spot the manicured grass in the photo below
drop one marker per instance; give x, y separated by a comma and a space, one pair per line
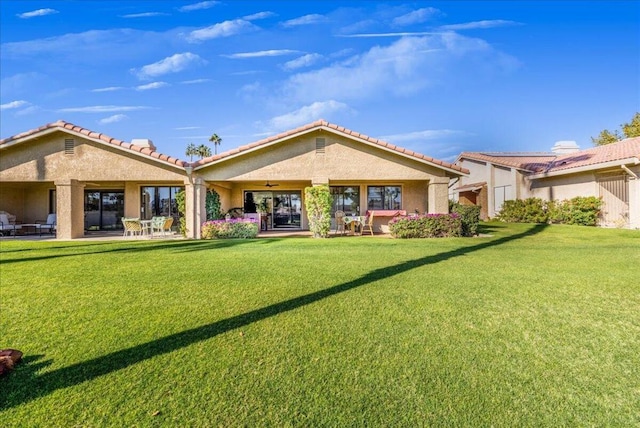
533, 326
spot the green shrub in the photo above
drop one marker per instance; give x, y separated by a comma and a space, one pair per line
212, 205
318, 201
470, 216
531, 210
182, 209
581, 210
426, 226
235, 228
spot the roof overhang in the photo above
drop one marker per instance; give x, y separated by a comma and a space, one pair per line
473, 187
586, 168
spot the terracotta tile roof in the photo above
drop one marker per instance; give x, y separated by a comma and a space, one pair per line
531, 162
550, 162
624, 149
62, 126
322, 124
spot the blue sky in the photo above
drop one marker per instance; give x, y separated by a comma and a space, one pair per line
435, 77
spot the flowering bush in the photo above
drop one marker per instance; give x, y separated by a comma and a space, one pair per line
234, 228
426, 226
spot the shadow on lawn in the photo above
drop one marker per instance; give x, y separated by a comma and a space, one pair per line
117, 247
26, 385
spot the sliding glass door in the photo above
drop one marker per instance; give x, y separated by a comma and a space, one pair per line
103, 210
278, 209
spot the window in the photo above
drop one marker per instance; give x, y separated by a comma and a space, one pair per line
159, 201
345, 198
501, 194
384, 197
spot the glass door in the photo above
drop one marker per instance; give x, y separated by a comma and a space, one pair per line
287, 210
277, 209
103, 210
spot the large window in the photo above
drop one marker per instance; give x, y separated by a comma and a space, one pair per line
384, 197
159, 201
346, 198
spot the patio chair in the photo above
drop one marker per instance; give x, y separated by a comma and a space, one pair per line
368, 224
166, 227
132, 227
7, 228
47, 226
157, 224
339, 221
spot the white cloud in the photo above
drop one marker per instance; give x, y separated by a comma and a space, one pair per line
401, 34
259, 54
306, 114
121, 44
145, 15
259, 15
100, 109
14, 104
172, 64
223, 29
417, 16
153, 85
113, 119
39, 12
108, 89
28, 110
198, 6
194, 81
480, 25
402, 68
305, 20
187, 128
304, 61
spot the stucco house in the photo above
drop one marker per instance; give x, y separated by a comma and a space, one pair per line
91, 180
610, 172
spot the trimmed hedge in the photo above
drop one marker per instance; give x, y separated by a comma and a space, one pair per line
233, 228
470, 216
426, 226
581, 210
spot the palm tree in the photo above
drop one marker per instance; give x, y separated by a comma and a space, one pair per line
216, 142
203, 151
191, 150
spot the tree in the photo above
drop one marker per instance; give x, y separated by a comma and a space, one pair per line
191, 151
629, 130
203, 151
216, 142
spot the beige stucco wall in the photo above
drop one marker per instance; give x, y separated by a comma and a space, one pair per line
30, 170
564, 187
44, 160
297, 159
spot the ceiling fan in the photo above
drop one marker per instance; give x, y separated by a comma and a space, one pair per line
270, 185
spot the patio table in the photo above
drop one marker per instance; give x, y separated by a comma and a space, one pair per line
146, 227
353, 221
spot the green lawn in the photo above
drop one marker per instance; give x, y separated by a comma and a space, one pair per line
533, 326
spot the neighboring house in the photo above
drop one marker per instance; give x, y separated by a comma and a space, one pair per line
609, 172
91, 180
